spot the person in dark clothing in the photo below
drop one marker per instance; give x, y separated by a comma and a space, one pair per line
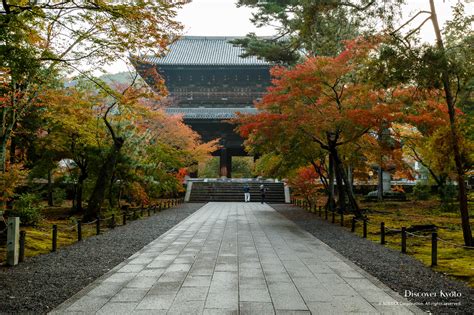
263, 191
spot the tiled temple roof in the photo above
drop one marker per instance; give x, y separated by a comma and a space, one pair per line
198, 50
210, 113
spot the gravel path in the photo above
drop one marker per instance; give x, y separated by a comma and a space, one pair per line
398, 271
43, 282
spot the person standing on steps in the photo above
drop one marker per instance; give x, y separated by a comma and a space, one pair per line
246, 193
263, 190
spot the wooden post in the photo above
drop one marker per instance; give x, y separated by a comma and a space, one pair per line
342, 218
55, 238
353, 225
382, 233
364, 232
434, 249
124, 222
79, 230
97, 226
13, 240
320, 213
333, 216
404, 240
113, 221
159, 207
21, 256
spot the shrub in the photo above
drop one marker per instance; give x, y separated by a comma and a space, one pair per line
306, 183
421, 191
27, 208
448, 194
59, 195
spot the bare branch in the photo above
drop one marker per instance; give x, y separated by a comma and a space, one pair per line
411, 19
417, 28
107, 123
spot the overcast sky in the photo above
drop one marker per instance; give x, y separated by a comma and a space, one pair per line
223, 18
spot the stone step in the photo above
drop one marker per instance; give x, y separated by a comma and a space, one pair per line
234, 192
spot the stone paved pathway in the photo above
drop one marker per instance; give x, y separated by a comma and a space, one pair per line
231, 258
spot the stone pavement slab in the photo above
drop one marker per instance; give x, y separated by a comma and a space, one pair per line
236, 258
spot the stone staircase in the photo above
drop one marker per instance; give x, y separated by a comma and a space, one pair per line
234, 192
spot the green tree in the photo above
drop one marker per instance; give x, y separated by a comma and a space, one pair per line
447, 65
311, 27
71, 131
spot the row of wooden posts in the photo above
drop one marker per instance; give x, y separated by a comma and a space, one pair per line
404, 234
112, 223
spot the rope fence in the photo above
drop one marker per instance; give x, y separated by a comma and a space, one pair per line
110, 221
311, 207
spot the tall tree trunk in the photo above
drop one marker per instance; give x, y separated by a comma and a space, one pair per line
111, 190
97, 197
119, 195
350, 178
74, 203
352, 200
331, 198
3, 153
463, 206
3, 157
12, 150
80, 190
340, 187
50, 189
